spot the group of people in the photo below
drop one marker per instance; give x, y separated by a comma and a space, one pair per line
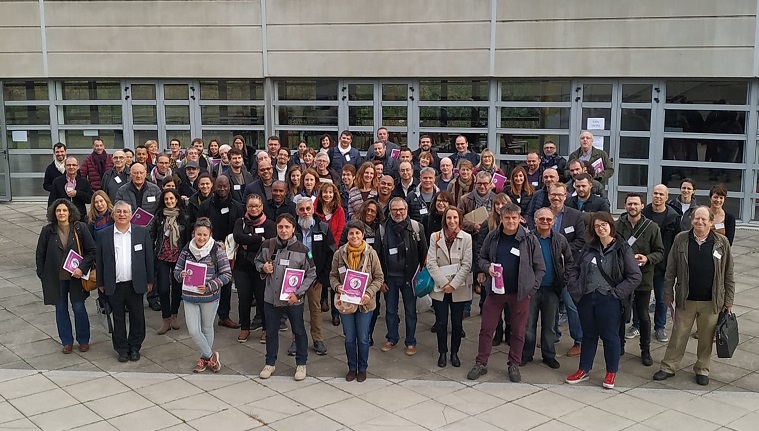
338, 231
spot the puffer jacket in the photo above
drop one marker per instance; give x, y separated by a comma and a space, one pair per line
369, 264
625, 271
293, 254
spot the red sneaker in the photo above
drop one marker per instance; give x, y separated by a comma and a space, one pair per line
579, 376
609, 380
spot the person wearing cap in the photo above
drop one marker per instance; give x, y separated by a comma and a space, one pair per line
356, 318
189, 183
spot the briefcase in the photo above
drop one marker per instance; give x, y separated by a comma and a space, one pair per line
727, 334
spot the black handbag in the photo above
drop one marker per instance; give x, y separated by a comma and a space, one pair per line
727, 334
105, 313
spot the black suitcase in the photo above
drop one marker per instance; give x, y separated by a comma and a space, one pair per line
727, 335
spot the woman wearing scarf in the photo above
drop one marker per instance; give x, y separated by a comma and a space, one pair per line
169, 231
449, 260
487, 164
201, 302
99, 216
357, 256
249, 232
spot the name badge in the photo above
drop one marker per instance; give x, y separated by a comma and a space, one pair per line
236, 187
151, 198
719, 226
347, 159
717, 255
259, 230
118, 180
534, 183
318, 237
574, 193
423, 211
631, 240
341, 270
225, 210
569, 229
393, 251
515, 251
284, 262
138, 247
593, 261
370, 240
519, 200
555, 167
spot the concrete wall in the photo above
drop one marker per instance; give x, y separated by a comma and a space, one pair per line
369, 38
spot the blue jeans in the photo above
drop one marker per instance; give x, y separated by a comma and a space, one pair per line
575, 327
600, 316
63, 320
295, 314
199, 317
545, 302
396, 288
356, 331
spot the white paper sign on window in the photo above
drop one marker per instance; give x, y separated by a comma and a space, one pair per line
596, 123
19, 136
598, 142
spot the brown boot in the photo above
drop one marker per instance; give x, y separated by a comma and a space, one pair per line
174, 323
165, 327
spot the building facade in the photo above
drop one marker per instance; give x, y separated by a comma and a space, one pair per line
670, 88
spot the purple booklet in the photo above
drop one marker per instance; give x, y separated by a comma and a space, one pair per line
354, 286
72, 262
291, 282
141, 217
498, 286
499, 181
215, 162
196, 276
395, 153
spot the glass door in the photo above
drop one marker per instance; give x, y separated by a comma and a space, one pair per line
5, 189
394, 111
177, 111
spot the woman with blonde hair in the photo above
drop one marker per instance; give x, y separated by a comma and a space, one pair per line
99, 215
487, 164
365, 188
309, 184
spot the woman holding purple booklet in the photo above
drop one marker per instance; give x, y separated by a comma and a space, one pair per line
361, 265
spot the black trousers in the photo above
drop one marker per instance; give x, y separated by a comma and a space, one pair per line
125, 298
249, 285
225, 301
640, 303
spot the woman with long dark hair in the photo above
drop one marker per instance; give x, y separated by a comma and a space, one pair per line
519, 189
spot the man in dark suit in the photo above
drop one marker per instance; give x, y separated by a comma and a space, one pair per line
125, 273
585, 200
73, 187
55, 169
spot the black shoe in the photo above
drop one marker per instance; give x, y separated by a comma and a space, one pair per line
291, 351
371, 341
155, 305
514, 374
552, 363
441, 362
455, 361
646, 359
134, 356
663, 375
467, 314
702, 380
433, 329
320, 348
123, 357
525, 362
496, 341
254, 326
463, 334
282, 326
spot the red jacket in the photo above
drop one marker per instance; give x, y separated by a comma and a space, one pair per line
90, 171
336, 222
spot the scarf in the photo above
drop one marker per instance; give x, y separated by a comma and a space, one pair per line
465, 187
450, 236
157, 177
170, 226
354, 255
61, 166
483, 201
201, 252
254, 221
100, 162
103, 221
399, 227
549, 161
344, 151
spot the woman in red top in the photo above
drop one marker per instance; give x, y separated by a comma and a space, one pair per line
329, 208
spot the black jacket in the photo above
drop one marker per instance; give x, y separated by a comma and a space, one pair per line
257, 187
677, 205
594, 204
669, 230
83, 193
193, 206
322, 249
51, 173
142, 260
272, 211
573, 228
249, 240
561, 254
647, 242
236, 188
50, 255
157, 233
223, 214
415, 248
626, 273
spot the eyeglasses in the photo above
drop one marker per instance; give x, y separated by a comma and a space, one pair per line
601, 226
545, 219
483, 184
557, 195
397, 210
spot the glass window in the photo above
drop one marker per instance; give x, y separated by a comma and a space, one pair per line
361, 116
395, 92
25, 90
535, 91
142, 136
636, 119
112, 139
704, 150
182, 135
713, 92
453, 116
307, 90
292, 138
27, 187
176, 91
636, 93
596, 92
29, 162
255, 138
91, 114
631, 147
395, 116
35, 139
446, 142
308, 115
240, 115
363, 141
145, 114
177, 115
91, 90
27, 115
704, 177
360, 92
632, 175
143, 92
524, 143
604, 113
535, 118
231, 90
454, 90
732, 122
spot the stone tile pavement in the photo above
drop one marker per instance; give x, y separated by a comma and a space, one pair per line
40, 388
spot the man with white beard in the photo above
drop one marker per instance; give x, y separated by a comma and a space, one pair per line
320, 242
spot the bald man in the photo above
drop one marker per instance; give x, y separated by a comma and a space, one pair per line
605, 168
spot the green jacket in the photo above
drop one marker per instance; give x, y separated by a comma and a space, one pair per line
647, 242
596, 154
676, 278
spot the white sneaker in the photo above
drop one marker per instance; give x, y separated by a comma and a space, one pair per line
632, 332
300, 373
266, 372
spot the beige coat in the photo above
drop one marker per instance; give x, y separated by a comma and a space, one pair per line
369, 264
438, 255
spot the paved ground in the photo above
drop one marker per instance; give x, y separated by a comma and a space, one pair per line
40, 388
